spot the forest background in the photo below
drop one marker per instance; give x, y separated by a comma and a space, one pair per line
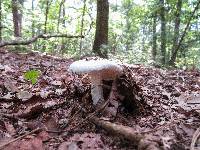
157, 32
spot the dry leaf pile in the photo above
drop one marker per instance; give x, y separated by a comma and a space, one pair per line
160, 105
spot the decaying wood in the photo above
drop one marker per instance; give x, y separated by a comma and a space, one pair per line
42, 36
134, 101
143, 142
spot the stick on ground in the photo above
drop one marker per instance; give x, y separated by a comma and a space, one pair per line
19, 138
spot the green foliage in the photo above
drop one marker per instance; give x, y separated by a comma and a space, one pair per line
130, 29
32, 75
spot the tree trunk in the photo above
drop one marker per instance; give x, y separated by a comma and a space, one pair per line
16, 18
173, 57
176, 27
163, 31
154, 42
21, 2
59, 14
1, 20
101, 34
82, 27
33, 21
63, 15
46, 15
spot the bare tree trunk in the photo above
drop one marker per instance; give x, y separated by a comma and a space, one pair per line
63, 15
33, 21
163, 32
20, 12
1, 20
128, 26
16, 18
59, 13
174, 55
82, 26
63, 44
154, 42
101, 34
48, 2
177, 25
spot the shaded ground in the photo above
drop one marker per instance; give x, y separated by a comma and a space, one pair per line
169, 107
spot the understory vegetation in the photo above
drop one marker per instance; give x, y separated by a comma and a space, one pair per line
158, 32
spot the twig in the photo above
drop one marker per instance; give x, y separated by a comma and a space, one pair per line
92, 114
83, 121
194, 138
101, 108
31, 40
144, 142
19, 138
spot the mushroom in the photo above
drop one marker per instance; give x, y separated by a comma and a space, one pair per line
97, 70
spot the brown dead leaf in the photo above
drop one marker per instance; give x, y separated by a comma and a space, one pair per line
10, 85
51, 124
56, 83
10, 128
68, 146
89, 141
26, 144
24, 95
8, 96
43, 135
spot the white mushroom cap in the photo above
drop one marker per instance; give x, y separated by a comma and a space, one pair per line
107, 69
98, 70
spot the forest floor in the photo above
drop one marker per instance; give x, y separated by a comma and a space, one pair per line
53, 113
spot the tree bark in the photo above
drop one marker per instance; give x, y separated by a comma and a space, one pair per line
63, 15
21, 2
177, 25
61, 19
46, 15
16, 18
59, 14
163, 32
101, 34
174, 55
33, 21
82, 26
154, 42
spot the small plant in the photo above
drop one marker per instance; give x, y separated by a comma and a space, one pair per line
32, 75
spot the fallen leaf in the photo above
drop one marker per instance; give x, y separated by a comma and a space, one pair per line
56, 83
24, 95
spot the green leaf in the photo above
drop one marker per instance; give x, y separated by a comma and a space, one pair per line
32, 75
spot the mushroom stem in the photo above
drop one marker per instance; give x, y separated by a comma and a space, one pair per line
96, 88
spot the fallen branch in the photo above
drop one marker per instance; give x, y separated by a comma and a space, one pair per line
195, 138
19, 138
31, 40
143, 142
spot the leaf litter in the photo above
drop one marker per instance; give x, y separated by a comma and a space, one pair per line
161, 106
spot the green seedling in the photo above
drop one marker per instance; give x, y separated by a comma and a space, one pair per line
32, 75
